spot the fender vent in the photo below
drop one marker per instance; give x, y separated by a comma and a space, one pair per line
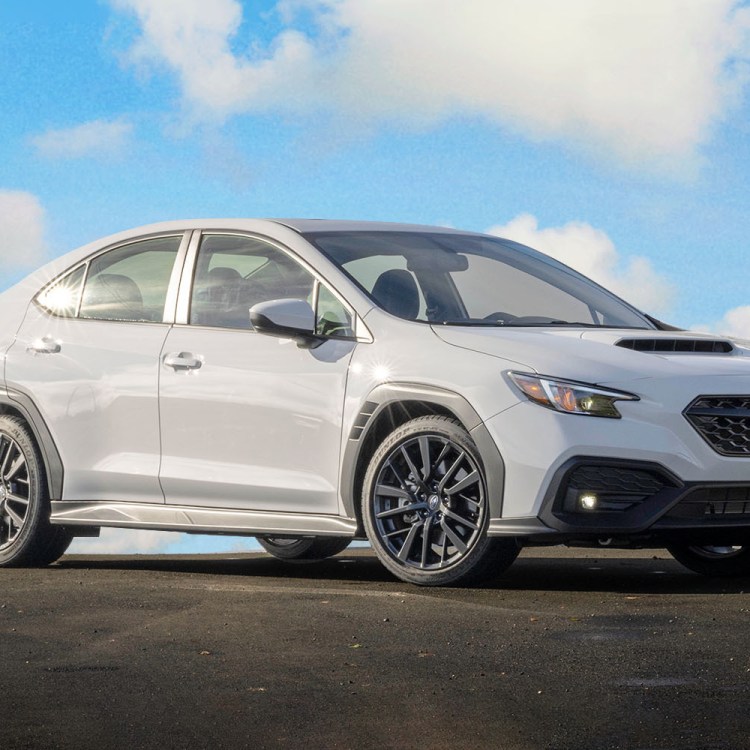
677, 346
368, 409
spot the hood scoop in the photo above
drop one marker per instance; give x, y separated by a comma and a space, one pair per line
677, 345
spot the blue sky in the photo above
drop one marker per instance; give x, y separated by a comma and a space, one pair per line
611, 135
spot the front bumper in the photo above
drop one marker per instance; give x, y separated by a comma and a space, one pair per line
692, 488
632, 497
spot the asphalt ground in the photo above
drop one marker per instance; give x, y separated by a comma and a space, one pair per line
569, 650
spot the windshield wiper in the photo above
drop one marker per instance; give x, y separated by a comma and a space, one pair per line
551, 323
469, 322
515, 323
520, 323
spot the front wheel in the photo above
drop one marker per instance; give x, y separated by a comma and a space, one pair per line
425, 506
304, 547
717, 562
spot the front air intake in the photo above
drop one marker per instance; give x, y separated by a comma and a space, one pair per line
677, 346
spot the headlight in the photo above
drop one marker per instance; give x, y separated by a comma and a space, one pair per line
570, 397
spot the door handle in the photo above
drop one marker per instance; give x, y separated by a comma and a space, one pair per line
45, 345
182, 361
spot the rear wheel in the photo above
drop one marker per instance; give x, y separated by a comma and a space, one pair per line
425, 506
305, 547
718, 561
26, 536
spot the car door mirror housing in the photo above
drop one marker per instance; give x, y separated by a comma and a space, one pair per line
286, 318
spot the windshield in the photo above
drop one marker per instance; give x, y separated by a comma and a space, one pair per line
471, 280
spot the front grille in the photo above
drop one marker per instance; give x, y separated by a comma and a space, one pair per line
723, 422
714, 503
677, 346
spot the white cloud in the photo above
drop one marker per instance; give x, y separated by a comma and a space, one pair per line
123, 541
642, 79
22, 230
95, 138
193, 39
591, 252
735, 323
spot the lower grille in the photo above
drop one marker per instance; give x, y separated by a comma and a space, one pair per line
617, 488
714, 502
723, 422
615, 479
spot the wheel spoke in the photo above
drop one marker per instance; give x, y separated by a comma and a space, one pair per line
400, 510
396, 473
467, 481
412, 468
390, 491
16, 499
17, 520
443, 452
426, 530
15, 467
454, 537
409, 541
463, 521
424, 452
453, 469
396, 532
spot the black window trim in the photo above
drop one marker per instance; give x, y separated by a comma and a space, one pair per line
184, 298
172, 287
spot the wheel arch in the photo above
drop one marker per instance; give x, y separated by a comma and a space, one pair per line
20, 405
387, 407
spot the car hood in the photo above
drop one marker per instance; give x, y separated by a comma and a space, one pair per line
603, 355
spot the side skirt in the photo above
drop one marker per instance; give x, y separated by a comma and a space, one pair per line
197, 520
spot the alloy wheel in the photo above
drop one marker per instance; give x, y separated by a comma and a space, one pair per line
429, 502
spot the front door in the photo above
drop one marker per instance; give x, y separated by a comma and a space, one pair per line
250, 421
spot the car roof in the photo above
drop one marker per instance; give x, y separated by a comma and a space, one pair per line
335, 225
301, 226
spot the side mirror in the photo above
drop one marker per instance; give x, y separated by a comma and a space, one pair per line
286, 318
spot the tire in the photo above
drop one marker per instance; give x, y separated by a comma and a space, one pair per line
304, 547
717, 562
27, 539
425, 507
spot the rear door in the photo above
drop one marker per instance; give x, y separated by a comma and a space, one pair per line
87, 354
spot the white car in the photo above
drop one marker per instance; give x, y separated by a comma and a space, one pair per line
448, 396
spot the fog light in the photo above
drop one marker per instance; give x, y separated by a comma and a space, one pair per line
588, 501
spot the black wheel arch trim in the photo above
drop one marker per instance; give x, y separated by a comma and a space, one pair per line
391, 394
53, 465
